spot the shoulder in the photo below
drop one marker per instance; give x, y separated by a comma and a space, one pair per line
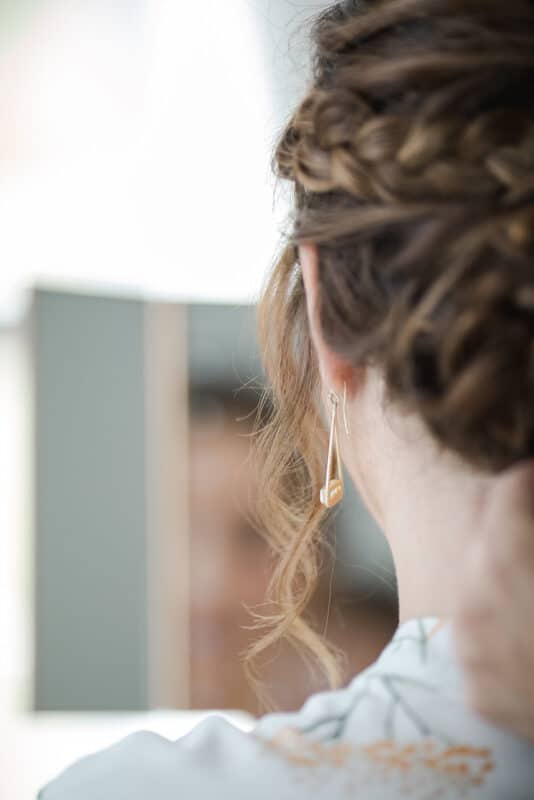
215, 755
403, 718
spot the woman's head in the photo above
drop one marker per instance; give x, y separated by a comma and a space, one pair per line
411, 159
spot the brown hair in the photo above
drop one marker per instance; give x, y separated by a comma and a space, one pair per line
411, 160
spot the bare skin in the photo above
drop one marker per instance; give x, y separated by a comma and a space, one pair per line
494, 619
444, 522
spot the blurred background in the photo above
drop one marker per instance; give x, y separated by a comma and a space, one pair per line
139, 218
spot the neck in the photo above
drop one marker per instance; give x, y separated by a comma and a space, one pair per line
426, 500
430, 521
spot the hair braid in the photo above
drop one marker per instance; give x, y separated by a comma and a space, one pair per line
411, 159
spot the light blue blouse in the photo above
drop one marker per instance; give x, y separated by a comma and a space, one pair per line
402, 728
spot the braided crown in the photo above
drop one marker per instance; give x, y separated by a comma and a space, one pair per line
412, 157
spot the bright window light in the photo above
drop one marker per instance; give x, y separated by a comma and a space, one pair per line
139, 148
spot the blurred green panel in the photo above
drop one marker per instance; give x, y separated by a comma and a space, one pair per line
91, 594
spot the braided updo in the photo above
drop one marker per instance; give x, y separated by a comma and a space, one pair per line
411, 159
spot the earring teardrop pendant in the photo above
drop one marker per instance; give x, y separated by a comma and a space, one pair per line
332, 491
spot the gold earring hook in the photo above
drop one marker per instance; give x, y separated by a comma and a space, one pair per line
345, 419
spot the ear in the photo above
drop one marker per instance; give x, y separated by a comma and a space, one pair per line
334, 369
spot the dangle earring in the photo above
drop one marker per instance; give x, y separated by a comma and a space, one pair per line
332, 491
